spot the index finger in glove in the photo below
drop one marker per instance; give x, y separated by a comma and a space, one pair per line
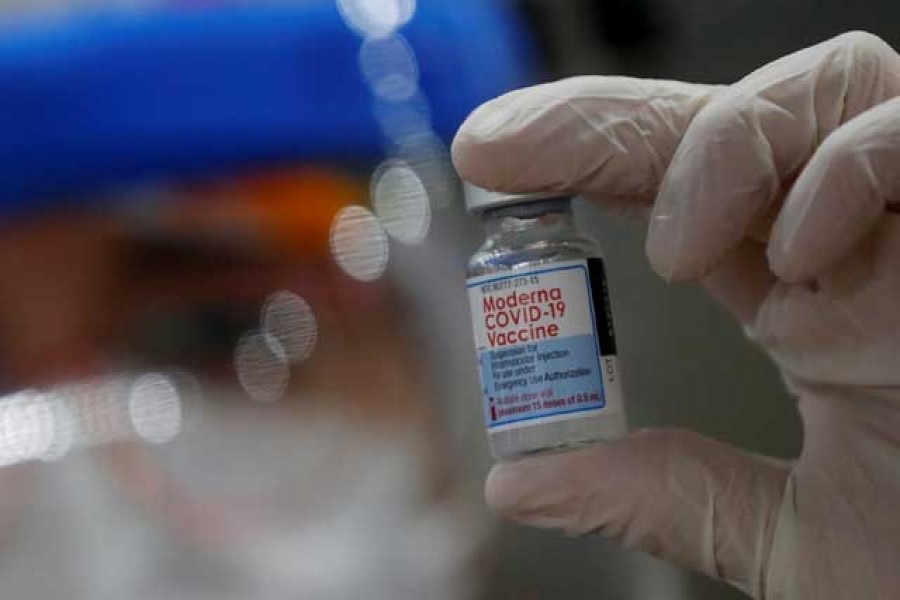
610, 138
748, 141
840, 195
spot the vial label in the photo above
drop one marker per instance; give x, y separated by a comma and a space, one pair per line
545, 344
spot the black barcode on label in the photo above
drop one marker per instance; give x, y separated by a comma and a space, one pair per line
602, 310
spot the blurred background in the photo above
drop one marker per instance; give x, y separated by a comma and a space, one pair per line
236, 356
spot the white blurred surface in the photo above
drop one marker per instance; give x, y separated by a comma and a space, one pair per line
251, 501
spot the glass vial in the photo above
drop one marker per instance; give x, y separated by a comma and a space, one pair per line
543, 327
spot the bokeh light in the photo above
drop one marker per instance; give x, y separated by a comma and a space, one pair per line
26, 427
401, 202
154, 407
290, 319
401, 120
429, 157
63, 428
46, 425
262, 366
359, 243
376, 18
389, 65
99, 410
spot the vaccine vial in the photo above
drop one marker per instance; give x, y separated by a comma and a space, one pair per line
544, 337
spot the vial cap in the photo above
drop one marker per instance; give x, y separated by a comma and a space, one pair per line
479, 199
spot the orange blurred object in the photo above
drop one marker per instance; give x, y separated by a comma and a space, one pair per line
289, 211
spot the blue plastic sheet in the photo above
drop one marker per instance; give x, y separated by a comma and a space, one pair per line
109, 98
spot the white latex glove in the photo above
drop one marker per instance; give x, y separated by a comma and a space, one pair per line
778, 194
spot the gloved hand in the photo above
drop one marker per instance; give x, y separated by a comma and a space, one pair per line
779, 193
